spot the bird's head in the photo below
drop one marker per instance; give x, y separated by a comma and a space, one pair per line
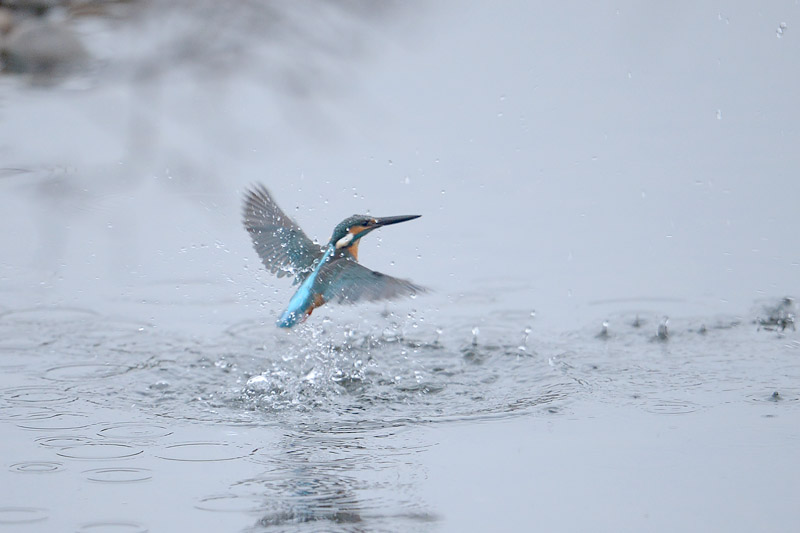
350, 230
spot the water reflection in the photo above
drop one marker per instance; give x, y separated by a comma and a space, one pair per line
336, 480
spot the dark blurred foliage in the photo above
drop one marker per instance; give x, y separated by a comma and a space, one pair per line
292, 45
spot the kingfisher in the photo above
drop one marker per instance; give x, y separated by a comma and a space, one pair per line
329, 273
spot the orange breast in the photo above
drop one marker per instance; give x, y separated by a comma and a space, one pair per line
319, 301
353, 248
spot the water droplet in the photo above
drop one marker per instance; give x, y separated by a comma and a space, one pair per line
603, 330
475, 332
406, 180
719, 114
439, 332
663, 330
780, 30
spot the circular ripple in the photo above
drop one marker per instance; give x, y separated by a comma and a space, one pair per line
100, 451
68, 441
134, 430
37, 315
204, 452
249, 330
20, 343
37, 467
118, 475
671, 407
18, 413
231, 503
37, 395
84, 371
57, 421
13, 361
113, 329
112, 527
21, 515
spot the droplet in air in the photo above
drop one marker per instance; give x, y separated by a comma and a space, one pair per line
780, 30
475, 332
603, 330
406, 180
523, 346
719, 114
663, 330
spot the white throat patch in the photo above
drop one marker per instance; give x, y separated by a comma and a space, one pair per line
344, 241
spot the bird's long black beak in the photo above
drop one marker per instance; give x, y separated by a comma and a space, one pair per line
385, 221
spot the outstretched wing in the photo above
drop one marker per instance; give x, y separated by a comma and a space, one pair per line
279, 242
345, 281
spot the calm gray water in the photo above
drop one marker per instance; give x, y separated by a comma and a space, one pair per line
609, 202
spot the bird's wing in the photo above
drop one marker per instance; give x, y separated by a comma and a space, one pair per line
280, 243
345, 281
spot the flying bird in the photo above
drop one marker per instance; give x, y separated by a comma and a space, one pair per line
325, 274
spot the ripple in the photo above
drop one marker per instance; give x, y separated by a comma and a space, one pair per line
111, 329
22, 515
232, 503
775, 397
671, 407
14, 362
68, 441
38, 315
112, 527
134, 430
37, 467
57, 421
15, 413
250, 330
95, 451
119, 475
84, 371
9, 343
204, 452
37, 395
